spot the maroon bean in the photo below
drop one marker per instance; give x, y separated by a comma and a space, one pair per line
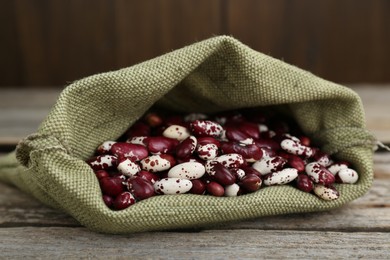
215, 189
250, 183
268, 143
108, 200
304, 183
296, 162
305, 140
198, 187
250, 170
250, 129
138, 129
101, 174
235, 134
186, 148
220, 173
161, 144
153, 119
140, 187
111, 186
149, 176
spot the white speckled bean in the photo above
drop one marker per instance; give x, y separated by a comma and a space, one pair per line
296, 148
137, 140
326, 193
335, 168
281, 177
348, 176
207, 151
187, 170
128, 168
268, 164
232, 190
155, 163
319, 174
230, 160
177, 132
170, 186
105, 147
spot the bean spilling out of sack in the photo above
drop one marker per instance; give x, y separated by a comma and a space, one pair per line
227, 154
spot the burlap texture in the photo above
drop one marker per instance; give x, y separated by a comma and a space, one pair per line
213, 75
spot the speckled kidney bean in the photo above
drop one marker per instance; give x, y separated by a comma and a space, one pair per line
105, 147
206, 128
326, 192
127, 167
187, 170
231, 160
123, 201
103, 162
207, 151
281, 177
134, 152
170, 186
322, 158
347, 175
319, 174
336, 167
177, 132
238, 151
267, 165
141, 140
157, 163
296, 148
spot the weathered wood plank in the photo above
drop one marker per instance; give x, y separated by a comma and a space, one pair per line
368, 213
67, 243
22, 110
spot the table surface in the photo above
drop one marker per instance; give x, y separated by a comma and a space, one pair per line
360, 229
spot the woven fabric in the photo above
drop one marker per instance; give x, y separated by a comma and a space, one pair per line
213, 75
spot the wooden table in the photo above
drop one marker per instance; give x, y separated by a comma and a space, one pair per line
360, 229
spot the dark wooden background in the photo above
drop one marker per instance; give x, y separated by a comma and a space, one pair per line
53, 42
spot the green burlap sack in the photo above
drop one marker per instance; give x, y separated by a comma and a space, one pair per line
213, 75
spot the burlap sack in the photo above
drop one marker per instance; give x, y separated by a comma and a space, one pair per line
213, 75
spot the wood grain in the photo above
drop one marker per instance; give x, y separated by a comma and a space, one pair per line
342, 41
55, 42
67, 243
